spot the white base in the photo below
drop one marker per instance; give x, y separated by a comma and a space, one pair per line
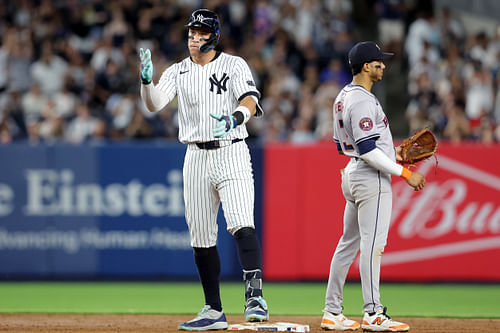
279, 327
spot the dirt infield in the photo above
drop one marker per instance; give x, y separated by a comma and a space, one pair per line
168, 323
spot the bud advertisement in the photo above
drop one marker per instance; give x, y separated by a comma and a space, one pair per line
449, 231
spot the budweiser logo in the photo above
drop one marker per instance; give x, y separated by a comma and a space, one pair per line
447, 212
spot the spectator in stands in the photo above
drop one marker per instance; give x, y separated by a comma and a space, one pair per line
138, 128
457, 129
423, 105
18, 46
335, 71
49, 71
52, 124
479, 96
120, 109
65, 102
83, 127
12, 115
33, 103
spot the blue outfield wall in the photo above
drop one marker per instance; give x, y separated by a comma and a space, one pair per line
102, 211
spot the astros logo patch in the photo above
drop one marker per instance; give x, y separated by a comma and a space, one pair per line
366, 124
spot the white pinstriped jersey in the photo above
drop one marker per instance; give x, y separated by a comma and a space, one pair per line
218, 87
358, 116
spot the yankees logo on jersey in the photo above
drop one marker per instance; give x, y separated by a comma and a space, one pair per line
220, 84
217, 87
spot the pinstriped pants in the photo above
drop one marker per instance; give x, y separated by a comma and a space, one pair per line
367, 216
214, 176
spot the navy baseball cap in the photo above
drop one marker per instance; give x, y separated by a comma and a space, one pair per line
366, 52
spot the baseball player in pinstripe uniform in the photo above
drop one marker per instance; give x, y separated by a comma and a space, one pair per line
217, 96
361, 131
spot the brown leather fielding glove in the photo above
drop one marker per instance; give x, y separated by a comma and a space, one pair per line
419, 147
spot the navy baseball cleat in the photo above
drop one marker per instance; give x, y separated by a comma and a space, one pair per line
256, 309
207, 319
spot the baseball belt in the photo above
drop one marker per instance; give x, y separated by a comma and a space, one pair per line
216, 144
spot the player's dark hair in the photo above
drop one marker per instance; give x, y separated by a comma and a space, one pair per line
356, 69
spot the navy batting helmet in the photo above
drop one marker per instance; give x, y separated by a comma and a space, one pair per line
208, 20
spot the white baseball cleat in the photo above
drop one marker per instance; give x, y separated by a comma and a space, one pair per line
338, 322
381, 322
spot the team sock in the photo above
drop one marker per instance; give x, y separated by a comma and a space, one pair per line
208, 264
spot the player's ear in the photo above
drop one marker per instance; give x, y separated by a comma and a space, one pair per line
366, 67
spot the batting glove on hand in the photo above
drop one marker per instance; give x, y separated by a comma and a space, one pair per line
146, 66
225, 125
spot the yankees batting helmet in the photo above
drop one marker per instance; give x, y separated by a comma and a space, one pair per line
208, 20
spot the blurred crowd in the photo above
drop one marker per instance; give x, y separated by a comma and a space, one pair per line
69, 68
453, 81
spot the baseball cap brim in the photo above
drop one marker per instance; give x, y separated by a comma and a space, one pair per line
386, 55
383, 56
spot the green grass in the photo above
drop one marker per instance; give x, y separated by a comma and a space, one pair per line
409, 300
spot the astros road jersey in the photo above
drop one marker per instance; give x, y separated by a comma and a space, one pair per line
358, 116
212, 176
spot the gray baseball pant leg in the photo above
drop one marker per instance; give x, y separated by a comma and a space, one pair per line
374, 216
345, 252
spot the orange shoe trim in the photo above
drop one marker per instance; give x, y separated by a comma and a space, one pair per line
402, 326
326, 321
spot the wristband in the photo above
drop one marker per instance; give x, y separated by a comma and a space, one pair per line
242, 114
406, 174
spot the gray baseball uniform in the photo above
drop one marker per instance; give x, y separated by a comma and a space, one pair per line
358, 116
215, 175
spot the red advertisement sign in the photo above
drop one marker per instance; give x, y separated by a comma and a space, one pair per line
450, 231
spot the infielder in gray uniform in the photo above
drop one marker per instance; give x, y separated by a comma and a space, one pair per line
217, 96
361, 131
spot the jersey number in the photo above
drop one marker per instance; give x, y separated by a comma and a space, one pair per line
347, 147
338, 108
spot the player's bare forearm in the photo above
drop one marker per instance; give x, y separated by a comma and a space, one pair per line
250, 104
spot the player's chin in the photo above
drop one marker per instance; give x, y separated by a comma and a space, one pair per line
194, 51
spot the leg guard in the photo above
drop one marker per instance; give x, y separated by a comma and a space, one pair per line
253, 283
248, 249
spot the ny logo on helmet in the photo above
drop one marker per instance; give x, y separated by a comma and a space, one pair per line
220, 84
200, 18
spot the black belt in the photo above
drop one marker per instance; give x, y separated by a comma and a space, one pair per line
214, 144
